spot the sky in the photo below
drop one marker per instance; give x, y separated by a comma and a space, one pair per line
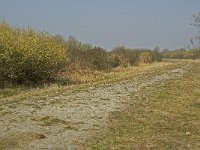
108, 23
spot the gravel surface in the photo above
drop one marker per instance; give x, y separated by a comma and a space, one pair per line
64, 121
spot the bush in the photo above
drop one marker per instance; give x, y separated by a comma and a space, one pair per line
29, 57
125, 56
146, 57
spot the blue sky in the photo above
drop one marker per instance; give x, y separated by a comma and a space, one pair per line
108, 23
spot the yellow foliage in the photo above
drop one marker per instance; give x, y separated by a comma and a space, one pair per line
28, 56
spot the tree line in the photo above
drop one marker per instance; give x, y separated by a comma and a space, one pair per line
29, 57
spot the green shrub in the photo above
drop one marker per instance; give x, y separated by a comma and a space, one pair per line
29, 57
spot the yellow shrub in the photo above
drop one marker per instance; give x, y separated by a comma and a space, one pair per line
146, 57
28, 57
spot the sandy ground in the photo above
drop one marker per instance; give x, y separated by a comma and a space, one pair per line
64, 121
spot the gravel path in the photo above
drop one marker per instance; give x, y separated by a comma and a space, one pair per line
64, 121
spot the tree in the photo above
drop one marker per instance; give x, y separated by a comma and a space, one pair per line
73, 44
195, 42
59, 38
196, 22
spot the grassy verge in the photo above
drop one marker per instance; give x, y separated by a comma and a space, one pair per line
159, 117
85, 77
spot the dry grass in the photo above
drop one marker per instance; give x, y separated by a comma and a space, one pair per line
159, 117
91, 76
85, 77
13, 142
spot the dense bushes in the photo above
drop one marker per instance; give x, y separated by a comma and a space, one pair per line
126, 56
29, 57
146, 57
136, 56
96, 58
182, 54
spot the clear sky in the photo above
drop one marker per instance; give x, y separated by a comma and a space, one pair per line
108, 23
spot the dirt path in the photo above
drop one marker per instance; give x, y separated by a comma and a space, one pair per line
64, 121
